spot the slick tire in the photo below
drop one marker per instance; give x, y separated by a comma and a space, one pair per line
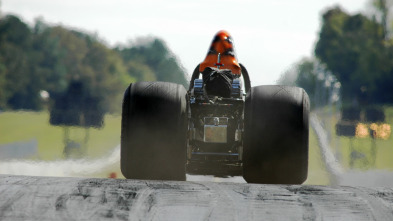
276, 135
153, 131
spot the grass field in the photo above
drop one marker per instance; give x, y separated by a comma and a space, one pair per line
25, 126
362, 153
317, 173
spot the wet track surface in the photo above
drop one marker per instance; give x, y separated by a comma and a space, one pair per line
49, 198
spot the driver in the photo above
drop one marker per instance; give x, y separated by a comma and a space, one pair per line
221, 49
221, 55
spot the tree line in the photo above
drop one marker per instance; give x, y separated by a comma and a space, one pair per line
53, 58
355, 53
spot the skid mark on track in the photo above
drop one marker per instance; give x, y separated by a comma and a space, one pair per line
378, 207
142, 204
335, 204
223, 202
235, 200
97, 199
188, 200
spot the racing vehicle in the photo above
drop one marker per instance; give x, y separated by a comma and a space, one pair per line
217, 126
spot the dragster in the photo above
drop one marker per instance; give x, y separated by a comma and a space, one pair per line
220, 126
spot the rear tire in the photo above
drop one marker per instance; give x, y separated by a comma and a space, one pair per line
276, 135
153, 131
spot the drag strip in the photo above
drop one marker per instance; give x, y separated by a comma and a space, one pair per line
50, 198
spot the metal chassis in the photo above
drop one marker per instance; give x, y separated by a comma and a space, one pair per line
215, 158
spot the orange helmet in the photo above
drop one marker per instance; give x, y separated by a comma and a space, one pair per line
221, 54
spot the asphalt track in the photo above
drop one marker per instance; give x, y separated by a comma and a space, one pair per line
29, 197
50, 198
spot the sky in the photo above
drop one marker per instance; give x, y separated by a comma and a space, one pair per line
269, 36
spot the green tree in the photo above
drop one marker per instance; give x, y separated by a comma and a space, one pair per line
57, 59
106, 74
74, 56
20, 87
140, 71
155, 55
306, 76
319, 83
382, 7
3, 95
352, 47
